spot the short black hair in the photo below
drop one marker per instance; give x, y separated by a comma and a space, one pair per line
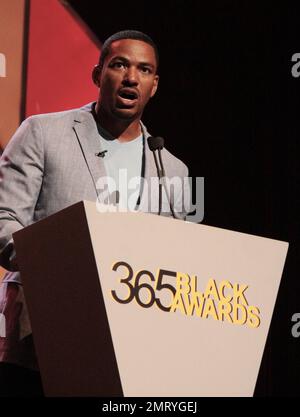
126, 34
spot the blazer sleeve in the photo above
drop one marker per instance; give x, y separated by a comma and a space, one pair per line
21, 176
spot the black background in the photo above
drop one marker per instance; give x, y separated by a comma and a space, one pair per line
228, 106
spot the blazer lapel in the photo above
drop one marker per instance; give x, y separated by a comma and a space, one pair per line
88, 137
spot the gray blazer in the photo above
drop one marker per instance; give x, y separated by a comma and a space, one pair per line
50, 163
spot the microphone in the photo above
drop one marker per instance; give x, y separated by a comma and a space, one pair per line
101, 154
157, 144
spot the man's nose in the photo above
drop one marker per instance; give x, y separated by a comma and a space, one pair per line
131, 76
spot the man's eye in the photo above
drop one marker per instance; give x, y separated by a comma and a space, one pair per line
117, 65
146, 70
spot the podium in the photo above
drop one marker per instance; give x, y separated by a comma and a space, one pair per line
134, 304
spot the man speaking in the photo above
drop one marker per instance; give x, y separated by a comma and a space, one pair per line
56, 160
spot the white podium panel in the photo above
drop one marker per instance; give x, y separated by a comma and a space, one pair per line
219, 285
140, 305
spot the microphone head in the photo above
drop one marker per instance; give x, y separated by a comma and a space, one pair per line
155, 143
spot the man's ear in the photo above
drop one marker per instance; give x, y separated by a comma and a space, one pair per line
155, 85
96, 75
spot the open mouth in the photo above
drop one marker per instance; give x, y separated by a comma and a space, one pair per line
127, 98
128, 95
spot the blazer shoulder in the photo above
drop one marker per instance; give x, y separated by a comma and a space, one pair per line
76, 114
60, 116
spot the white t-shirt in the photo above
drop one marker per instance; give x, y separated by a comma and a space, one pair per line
123, 164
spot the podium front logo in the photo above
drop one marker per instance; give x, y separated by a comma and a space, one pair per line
222, 301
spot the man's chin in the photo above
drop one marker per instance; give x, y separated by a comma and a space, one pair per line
126, 113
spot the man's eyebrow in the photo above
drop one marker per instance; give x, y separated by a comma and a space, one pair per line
147, 64
120, 58
124, 59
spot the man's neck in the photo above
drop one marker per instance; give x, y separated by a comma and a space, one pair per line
123, 130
